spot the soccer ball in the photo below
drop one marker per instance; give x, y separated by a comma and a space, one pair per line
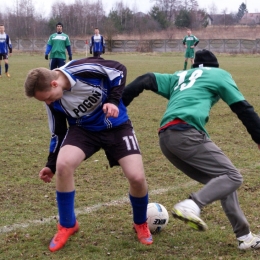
157, 217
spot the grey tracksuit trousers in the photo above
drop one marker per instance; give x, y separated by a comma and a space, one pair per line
193, 153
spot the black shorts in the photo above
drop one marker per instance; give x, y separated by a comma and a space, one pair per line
3, 56
117, 142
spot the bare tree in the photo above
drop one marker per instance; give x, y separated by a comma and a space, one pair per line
110, 32
81, 17
224, 12
213, 8
98, 11
190, 5
169, 7
22, 16
119, 8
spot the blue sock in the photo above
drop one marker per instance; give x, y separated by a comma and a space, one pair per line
65, 201
6, 68
139, 208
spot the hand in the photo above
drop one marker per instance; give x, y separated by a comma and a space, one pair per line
70, 57
192, 47
110, 110
46, 174
46, 56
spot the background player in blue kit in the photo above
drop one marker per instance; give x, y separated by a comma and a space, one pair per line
5, 45
97, 44
86, 94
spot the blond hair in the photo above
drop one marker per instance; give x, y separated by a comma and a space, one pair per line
39, 79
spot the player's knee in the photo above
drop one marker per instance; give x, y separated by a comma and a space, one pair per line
137, 180
63, 167
236, 177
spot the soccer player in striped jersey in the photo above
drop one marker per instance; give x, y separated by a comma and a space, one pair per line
86, 95
186, 144
5, 45
97, 44
57, 45
190, 42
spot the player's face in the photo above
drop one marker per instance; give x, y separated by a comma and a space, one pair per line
189, 32
50, 95
59, 28
2, 29
96, 31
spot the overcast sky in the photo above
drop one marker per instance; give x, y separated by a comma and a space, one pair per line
145, 5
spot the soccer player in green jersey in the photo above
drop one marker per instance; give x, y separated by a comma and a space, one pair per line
57, 45
186, 144
190, 42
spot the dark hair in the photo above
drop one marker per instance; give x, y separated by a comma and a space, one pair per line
59, 23
205, 58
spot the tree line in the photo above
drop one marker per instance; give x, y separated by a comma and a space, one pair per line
81, 17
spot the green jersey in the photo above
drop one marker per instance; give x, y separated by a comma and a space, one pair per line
192, 93
190, 40
58, 43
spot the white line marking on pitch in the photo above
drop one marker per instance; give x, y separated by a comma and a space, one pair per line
87, 210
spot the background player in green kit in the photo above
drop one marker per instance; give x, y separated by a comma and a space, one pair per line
190, 42
57, 45
186, 144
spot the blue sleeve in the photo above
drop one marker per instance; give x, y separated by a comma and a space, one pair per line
58, 127
69, 50
48, 49
8, 41
91, 43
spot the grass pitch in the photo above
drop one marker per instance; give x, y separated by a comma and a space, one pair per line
28, 206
